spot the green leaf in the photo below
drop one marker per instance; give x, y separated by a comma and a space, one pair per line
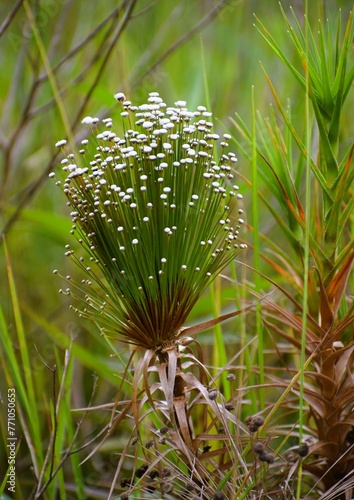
282, 56
319, 175
23, 378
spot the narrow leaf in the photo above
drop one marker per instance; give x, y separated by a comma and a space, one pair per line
336, 288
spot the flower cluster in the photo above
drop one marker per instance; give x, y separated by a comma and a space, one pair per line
157, 214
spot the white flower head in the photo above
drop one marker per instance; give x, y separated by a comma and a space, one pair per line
88, 120
120, 97
148, 125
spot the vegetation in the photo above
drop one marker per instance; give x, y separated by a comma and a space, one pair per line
202, 345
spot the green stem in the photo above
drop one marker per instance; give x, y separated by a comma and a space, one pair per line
256, 254
306, 256
220, 357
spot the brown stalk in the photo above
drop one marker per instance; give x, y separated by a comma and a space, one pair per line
5, 24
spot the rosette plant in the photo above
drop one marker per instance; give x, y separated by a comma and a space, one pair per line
158, 215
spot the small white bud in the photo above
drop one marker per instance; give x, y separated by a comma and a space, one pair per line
119, 97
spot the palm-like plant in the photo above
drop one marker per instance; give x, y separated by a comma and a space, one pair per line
158, 215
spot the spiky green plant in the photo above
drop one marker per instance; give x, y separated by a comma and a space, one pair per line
158, 216
312, 262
